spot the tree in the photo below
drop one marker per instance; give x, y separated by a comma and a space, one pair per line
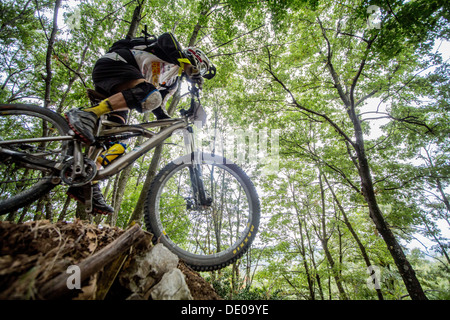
353, 77
319, 74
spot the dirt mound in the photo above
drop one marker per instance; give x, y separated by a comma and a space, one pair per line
200, 289
33, 253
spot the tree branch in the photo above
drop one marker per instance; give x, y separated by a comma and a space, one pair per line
319, 160
239, 36
331, 122
358, 73
330, 67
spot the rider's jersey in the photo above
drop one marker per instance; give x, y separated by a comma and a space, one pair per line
161, 74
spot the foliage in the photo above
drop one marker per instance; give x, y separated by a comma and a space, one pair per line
287, 67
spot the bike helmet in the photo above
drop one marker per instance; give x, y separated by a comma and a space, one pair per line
200, 62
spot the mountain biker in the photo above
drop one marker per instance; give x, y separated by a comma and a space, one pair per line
139, 80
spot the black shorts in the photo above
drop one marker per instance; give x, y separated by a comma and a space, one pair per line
107, 73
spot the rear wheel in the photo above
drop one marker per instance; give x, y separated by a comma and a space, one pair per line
23, 176
206, 237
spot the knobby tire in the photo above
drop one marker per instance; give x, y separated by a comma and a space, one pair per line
15, 197
175, 229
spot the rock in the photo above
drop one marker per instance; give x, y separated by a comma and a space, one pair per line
135, 296
161, 260
171, 287
148, 268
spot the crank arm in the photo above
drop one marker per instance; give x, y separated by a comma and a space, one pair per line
88, 196
78, 161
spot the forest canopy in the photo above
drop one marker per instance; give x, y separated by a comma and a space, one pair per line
349, 101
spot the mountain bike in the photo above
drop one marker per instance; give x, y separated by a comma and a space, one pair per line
201, 206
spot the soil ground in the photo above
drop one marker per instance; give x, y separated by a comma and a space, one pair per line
34, 252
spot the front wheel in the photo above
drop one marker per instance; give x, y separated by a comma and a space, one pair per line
206, 237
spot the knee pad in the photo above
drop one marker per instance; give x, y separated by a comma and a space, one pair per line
143, 97
152, 101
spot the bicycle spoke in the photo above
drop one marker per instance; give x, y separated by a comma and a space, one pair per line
33, 140
209, 231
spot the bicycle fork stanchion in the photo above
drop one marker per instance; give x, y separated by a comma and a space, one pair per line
189, 142
195, 171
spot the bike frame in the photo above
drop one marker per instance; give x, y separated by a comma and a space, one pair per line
80, 168
168, 126
110, 129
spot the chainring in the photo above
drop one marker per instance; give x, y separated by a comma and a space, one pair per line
80, 179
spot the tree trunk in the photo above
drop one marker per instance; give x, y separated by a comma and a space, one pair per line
47, 90
348, 98
436, 239
309, 278
438, 186
404, 267
57, 288
138, 211
23, 213
313, 262
134, 25
354, 234
120, 191
48, 59
63, 213
125, 174
302, 247
48, 207
324, 241
39, 209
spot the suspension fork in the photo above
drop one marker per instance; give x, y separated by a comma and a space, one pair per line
195, 171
